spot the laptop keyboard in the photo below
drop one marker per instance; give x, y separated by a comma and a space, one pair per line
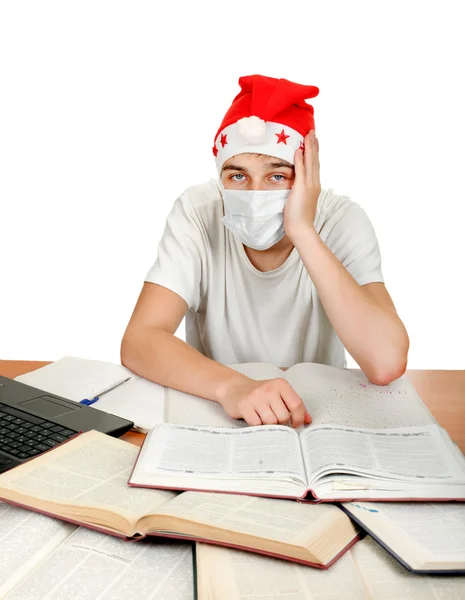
23, 435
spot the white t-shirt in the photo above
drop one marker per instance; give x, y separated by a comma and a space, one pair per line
239, 314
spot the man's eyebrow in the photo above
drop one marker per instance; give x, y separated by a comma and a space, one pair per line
270, 165
277, 165
233, 168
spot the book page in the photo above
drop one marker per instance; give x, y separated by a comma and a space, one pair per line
342, 397
438, 527
285, 521
237, 575
99, 567
386, 579
193, 453
187, 409
26, 538
91, 469
416, 454
421, 533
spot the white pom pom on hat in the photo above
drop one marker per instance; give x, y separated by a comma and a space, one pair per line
252, 129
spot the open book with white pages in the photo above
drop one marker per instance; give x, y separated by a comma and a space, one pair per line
365, 572
84, 481
426, 537
365, 442
43, 558
323, 462
332, 396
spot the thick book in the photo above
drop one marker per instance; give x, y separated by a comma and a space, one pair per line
44, 558
84, 481
365, 572
319, 463
423, 537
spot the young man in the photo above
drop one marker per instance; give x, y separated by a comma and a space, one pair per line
266, 266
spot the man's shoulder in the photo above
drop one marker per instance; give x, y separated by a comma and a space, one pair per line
333, 208
330, 202
202, 195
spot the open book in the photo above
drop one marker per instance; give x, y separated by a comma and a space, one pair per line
424, 537
84, 481
332, 396
321, 462
44, 558
366, 572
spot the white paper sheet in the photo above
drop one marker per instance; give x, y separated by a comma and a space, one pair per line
138, 400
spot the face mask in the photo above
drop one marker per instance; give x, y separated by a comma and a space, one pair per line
255, 216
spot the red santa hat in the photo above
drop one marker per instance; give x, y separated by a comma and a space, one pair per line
268, 116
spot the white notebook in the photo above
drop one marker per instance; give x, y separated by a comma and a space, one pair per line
138, 399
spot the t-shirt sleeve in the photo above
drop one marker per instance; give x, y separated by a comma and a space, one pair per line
181, 249
353, 240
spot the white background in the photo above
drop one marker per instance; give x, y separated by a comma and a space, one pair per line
108, 112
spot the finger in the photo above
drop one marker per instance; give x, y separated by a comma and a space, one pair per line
308, 154
308, 418
299, 168
293, 402
316, 160
265, 413
250, 416
280, 410
312, 166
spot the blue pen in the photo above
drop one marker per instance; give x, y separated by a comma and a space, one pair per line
89, 401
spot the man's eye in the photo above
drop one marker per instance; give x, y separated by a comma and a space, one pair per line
238, 175
278, 175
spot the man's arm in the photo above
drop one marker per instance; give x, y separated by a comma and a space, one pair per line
150, 349
364, 317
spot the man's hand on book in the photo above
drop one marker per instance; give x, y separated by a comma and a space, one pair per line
268, 402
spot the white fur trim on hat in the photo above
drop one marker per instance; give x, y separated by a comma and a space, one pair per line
251, 134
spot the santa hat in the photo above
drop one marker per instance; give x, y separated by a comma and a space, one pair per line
268, 116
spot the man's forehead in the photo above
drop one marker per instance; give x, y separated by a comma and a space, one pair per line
240, 162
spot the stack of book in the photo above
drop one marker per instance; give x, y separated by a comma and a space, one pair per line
274, 512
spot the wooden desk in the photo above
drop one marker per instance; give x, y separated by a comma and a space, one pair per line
443, 392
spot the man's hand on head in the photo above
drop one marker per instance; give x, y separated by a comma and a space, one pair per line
300, 209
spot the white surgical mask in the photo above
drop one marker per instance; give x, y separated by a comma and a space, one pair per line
256, 217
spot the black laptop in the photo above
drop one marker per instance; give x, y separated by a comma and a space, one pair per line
33, 421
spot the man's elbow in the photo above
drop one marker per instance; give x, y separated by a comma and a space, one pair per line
127, 347
385, 374
136, 345
123, 352
390, 370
